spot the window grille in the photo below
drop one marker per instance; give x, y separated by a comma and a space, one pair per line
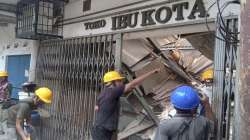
39, 19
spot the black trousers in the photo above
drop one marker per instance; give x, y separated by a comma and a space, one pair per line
100, 133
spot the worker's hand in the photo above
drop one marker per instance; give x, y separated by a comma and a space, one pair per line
30, 129
157, 70
96, 108
26, 138
204, 100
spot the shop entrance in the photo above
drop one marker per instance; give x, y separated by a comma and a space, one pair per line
73, 69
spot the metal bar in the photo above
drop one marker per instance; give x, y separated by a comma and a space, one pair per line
219, 61
139, 94
237, 119
230, 90
224, 81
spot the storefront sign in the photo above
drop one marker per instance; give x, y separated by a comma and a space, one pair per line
161, 15
95, 25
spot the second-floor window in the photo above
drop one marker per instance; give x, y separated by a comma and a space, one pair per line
86, 5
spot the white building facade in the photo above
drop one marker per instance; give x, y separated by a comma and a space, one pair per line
129, 25
159, 14
17, 56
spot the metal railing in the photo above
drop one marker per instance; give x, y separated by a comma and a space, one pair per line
73, 69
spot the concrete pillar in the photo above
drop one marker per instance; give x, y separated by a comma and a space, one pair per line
34, 54
243, 97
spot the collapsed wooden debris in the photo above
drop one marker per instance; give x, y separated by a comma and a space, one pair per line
151, 100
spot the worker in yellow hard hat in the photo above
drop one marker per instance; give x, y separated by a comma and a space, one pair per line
20, 114
207, 76
3, 74
5, 92
207, 86
108, 104
5, 86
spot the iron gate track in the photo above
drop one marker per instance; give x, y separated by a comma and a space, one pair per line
73, 69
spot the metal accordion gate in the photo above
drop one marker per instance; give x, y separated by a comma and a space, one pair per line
225, 72
73, 69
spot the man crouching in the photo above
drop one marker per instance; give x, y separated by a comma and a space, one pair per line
18, 114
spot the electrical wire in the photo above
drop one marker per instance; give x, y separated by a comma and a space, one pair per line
223, 29
206, 20
226, 35
223, 8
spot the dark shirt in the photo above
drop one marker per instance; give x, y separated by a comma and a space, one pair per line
20, 111
185, 127
108, 103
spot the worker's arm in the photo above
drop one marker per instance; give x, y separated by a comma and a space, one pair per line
23, 111
20, 130
131, 85
208, 110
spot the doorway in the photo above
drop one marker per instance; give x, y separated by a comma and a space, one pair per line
18, 68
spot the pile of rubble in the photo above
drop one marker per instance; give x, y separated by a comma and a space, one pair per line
182, 60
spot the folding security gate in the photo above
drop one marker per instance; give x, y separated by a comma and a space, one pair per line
224, 90
73, 69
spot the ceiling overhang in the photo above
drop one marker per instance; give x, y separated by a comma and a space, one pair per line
8, 7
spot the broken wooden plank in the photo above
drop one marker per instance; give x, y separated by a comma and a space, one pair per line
138, 128
139, 94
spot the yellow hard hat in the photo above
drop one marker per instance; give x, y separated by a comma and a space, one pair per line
44, 94
3, 74
112, 76
207, 75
